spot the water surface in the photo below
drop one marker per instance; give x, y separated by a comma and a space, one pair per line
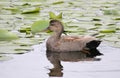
35, 64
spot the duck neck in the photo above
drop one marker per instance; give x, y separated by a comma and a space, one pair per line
57, 35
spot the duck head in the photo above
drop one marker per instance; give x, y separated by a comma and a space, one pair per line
55, 26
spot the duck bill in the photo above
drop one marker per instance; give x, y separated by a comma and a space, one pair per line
46, 30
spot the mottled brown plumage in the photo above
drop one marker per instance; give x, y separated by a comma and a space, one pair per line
59, 43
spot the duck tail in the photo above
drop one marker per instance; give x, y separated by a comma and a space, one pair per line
94, 53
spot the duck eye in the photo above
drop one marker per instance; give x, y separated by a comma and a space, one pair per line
52, 24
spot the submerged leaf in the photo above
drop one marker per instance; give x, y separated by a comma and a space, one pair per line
31, 10
5, 35
39, 26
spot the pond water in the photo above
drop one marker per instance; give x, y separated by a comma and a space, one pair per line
81, 17
35, 64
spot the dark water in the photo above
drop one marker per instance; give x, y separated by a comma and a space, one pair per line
39, 64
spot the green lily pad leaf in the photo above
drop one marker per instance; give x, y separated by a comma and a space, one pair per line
118, 28
96, 19
22, 50
26, 4
5, 35
117, 18
54, 16
111, 12
31, 10
100, 36
39, 26
98, 24
26, 30
111, 24
5, 58
10, 8
59, 2
15, 49
107, 31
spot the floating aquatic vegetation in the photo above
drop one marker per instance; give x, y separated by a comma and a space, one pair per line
5, 58
98, 24
59, 2
107, 31
31, 10
118, 18
10, 8
54, 16
79, 17
96, 19
6, 35
39, 26
111, 12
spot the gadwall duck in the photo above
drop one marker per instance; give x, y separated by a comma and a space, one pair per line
59, 43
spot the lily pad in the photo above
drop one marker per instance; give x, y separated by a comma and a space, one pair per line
96, 19
54, 16
98, 24
59, 2
26, 30
38, 26
107, 31
14, 49
6, 35
111, 24
117, 18
111, 12
31, 10
22, 50
5, 58
100, 36
10, 8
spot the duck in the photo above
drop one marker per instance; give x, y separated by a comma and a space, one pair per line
64, 43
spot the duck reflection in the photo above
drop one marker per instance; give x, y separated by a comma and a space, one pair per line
56, 57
